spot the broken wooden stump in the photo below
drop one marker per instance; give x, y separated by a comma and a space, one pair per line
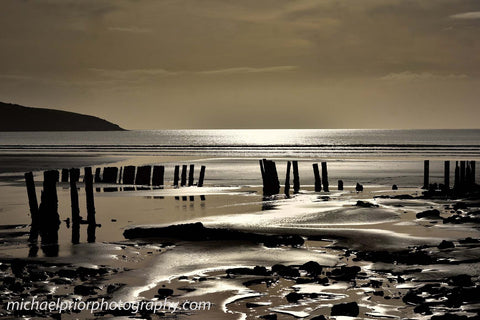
110, 175
98, 177
48, 210
120, 175
340, 184
318, 180
271, 185
296, 177
33, 203
287, 180
325, 177
90, 205
201, 177
426, 173
176, 176
143, 175
183, 181
129, 175
446, 176
190, 175
158, 174
64, 175
75, 207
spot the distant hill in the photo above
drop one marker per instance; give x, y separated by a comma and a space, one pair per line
14, 117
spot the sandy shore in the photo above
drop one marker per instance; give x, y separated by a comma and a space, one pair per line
370, 260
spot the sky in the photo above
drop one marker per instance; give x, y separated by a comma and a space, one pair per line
172, 64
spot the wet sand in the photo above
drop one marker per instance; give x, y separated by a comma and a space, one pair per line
336, 233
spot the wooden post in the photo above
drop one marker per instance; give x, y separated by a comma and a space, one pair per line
275, 181
75, 207
472, 168
157, 177
446, 175
325, 177
64, 175
457, 177
48, 211
98, 178
129, 175
75, 175
296, 178
190, 175
462, 175
340, 184
143, 175
92, 224
202, 176
120, 175
175, 176
32, 202
287, 179
426, 172
318, 180
183, 181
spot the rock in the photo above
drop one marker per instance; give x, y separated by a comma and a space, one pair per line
67, 273
312, 267
379, 293
468, 240
293, 297
449, 316
423, 309
85, 290
461, 280
430, 214
257, 271
394, 187
446, 245
320, 317
18, 267
164, 292
345, 309
285, 271
412, 298
111, 288
345, 273
459, 205
269, 317
359, 187
61, 280
366, 204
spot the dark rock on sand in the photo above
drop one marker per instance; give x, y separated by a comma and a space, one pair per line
345, 309
257, 271
366, 204
85, 290
394, 187
321, 317
269, 317
423, 309
413, 298
446, 245
344, 273
449, 316
164, 292
429, 214
111, 288
462, 280
312, 267
293, 297
285, 271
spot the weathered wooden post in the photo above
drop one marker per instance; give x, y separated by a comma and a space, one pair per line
120, 175
318, 180
157, 177
175, 176
190, 175
472, 168
75, 207
110, 174
129, 175
446, 175
64, 175
48, 211
143, 175
426, 173
202, 176
75, 175
457, 177
92, 224
325, 177
98, 177
462, 175
32, 202
275, 182
296, 178
183, 180
287, 179
340, 184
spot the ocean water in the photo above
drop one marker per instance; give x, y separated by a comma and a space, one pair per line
315, 143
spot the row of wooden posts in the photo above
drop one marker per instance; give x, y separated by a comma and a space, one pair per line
464, 176
143, 175
271, 184
45, 217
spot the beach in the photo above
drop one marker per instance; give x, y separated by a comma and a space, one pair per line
337, 254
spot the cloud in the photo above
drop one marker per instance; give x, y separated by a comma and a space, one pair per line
132, 29
248, 70
467, 15
423, 76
